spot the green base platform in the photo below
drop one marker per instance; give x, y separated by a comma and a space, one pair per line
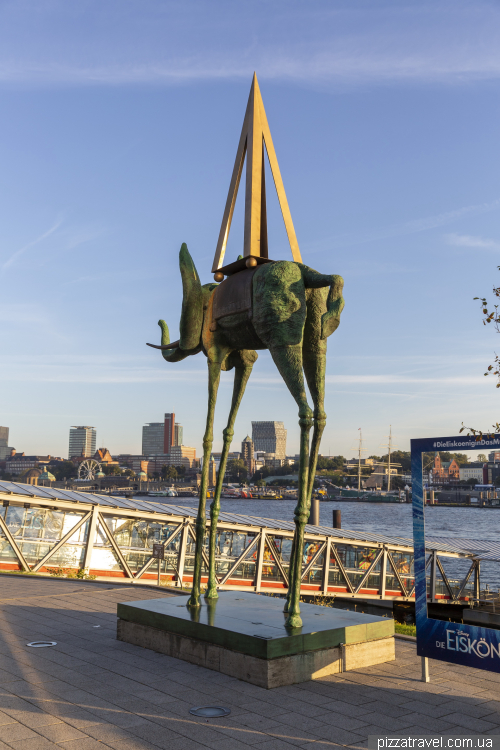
242, 630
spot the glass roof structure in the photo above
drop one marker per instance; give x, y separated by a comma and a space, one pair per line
64, 531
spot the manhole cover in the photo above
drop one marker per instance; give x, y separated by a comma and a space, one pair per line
41, 644
256, 623
209, 712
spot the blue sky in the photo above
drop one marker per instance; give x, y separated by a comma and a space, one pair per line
119, 127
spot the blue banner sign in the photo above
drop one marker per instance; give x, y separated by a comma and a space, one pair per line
459, 643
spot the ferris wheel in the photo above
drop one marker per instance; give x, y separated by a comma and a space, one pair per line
89, 469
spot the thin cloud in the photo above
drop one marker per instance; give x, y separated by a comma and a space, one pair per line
466, 240
73, 368
70, 238
381, 379
111, 275
409, 227
319, 44
17, 314
15, 256
102, 369
403, 379
75, 237
325, 69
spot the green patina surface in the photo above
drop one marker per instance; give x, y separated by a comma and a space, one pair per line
293, 311
255, 625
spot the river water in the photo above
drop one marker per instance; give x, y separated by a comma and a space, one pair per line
394, 519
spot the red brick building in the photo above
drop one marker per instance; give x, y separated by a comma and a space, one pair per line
445, 471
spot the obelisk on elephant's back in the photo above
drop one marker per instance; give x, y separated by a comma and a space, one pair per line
257, 303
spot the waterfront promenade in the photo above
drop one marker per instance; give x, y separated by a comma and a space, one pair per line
92, 692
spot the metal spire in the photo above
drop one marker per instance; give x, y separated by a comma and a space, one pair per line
254, 139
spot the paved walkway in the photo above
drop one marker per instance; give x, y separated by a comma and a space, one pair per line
92, 692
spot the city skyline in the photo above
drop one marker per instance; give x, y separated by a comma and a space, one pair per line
387, 144
267, 431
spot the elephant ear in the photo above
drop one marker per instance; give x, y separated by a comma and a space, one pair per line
192, 302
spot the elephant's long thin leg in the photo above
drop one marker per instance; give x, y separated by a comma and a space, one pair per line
289, 363
301, 517
214, 369
319, 426
314, 364
243, 371
314, 358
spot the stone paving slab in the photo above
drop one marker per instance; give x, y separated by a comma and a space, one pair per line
92, 691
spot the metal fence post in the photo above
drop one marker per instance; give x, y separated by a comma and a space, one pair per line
425, 669
326, 566
91, 536
260, 560
182, 552
477, 581
383, 574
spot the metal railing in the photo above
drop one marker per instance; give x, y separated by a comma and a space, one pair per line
44, 530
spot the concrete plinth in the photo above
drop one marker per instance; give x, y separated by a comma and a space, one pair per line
243, 635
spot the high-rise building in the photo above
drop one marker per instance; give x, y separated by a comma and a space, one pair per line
179, 455
82, 441
269, 437
152, 439
158, 438
231, 456
4, 443
247, 454
169, 433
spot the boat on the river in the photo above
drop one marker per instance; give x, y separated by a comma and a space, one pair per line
166, 492
353, 496
383, 497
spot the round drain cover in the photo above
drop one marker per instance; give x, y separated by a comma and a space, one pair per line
209, 712
41, 644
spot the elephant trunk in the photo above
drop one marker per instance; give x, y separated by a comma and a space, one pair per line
175, 353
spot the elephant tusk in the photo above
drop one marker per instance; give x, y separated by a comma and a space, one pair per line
173, 345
